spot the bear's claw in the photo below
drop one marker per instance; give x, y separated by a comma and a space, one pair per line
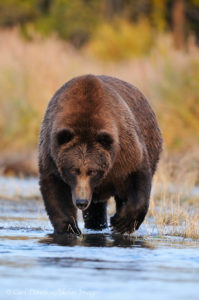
73, 229
66, 226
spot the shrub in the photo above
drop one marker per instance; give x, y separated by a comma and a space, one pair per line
122, 40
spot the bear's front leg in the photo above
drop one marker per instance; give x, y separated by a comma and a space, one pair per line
130, 212
58, 202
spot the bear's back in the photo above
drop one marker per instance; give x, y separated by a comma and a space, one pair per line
143, 114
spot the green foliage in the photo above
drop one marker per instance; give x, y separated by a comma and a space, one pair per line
159, 14
122, 40
14, 12
77, 21
72, 20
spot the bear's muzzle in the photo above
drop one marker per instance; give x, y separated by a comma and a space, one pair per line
82, 194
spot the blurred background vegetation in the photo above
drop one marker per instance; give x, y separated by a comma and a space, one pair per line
151, 43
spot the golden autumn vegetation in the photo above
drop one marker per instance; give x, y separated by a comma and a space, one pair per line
32, 71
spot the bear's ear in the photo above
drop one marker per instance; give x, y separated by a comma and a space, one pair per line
105, 139
64, 136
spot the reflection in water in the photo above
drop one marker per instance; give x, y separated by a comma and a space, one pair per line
96, 240
86, 263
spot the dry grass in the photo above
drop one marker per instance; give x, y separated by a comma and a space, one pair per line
172, 216
174, 207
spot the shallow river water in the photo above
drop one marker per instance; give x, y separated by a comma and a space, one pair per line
96, 265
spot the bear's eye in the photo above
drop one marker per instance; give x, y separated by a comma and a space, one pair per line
92, 172
76, 171
64, 136
105, 139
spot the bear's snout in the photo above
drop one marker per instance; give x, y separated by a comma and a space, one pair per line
82, 203
82, 193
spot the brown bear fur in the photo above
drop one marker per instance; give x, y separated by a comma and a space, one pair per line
99, 138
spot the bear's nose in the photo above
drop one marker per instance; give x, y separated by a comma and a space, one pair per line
81, 203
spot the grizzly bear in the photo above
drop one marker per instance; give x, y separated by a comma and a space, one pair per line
99, 138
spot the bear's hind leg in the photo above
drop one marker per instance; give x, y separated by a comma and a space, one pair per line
95, 217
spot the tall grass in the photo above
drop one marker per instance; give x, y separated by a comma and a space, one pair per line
174, 205
32, 71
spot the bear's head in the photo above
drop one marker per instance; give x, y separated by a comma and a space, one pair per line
90, 129
83, 160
